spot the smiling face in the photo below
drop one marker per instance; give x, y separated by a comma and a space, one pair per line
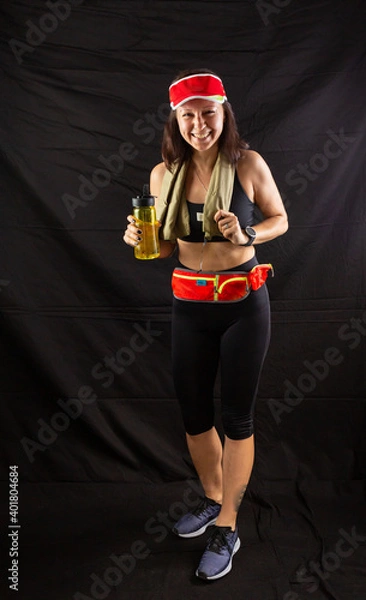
200, 123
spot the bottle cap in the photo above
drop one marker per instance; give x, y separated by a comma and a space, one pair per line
146, 199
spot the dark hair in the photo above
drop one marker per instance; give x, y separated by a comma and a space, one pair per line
176, 149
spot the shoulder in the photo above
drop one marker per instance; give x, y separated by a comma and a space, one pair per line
251, 161
158, 171
252, 166
156, 178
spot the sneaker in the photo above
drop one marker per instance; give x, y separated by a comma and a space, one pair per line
217, 559
196, 522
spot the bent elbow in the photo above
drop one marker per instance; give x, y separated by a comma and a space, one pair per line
284, 224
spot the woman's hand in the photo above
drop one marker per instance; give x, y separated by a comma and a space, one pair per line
133, 235
229, 225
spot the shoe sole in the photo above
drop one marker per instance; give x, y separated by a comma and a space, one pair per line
225, 571
195, 533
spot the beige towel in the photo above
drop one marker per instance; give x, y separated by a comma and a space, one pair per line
172, 210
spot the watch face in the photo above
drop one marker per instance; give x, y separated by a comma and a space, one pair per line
250, 231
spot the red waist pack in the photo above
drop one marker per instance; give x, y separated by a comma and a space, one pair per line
224, 286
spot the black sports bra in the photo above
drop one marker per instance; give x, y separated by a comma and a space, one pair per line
240, 205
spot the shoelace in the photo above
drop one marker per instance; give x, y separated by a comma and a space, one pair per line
218, 539
205, 503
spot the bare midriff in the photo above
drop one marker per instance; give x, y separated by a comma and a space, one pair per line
213, 256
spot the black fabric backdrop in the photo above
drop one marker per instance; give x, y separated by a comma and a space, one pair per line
89, 416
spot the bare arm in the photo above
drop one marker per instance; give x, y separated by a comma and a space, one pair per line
156, 180
268, 199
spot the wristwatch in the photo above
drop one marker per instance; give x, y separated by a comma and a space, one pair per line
252, 234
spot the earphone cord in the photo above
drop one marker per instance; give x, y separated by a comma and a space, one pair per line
201, 258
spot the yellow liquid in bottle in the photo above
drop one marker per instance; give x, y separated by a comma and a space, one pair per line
149, 247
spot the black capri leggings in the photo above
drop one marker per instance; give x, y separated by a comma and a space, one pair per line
234, 336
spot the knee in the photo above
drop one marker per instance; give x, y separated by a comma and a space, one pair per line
237, 426
197, 420
194, 429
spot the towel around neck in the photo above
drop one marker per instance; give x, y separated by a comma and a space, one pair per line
172, 210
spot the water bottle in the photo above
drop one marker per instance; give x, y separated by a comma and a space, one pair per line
145, 215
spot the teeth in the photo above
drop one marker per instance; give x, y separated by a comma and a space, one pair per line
201, 137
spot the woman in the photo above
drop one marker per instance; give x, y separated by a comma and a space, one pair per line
207, 188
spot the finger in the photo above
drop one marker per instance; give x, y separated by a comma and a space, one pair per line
136, 236
134, 229
133, 226
131, 241
126, 237
224, 224
218, 216
228, 225
132, 235
221, 214
224, 213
